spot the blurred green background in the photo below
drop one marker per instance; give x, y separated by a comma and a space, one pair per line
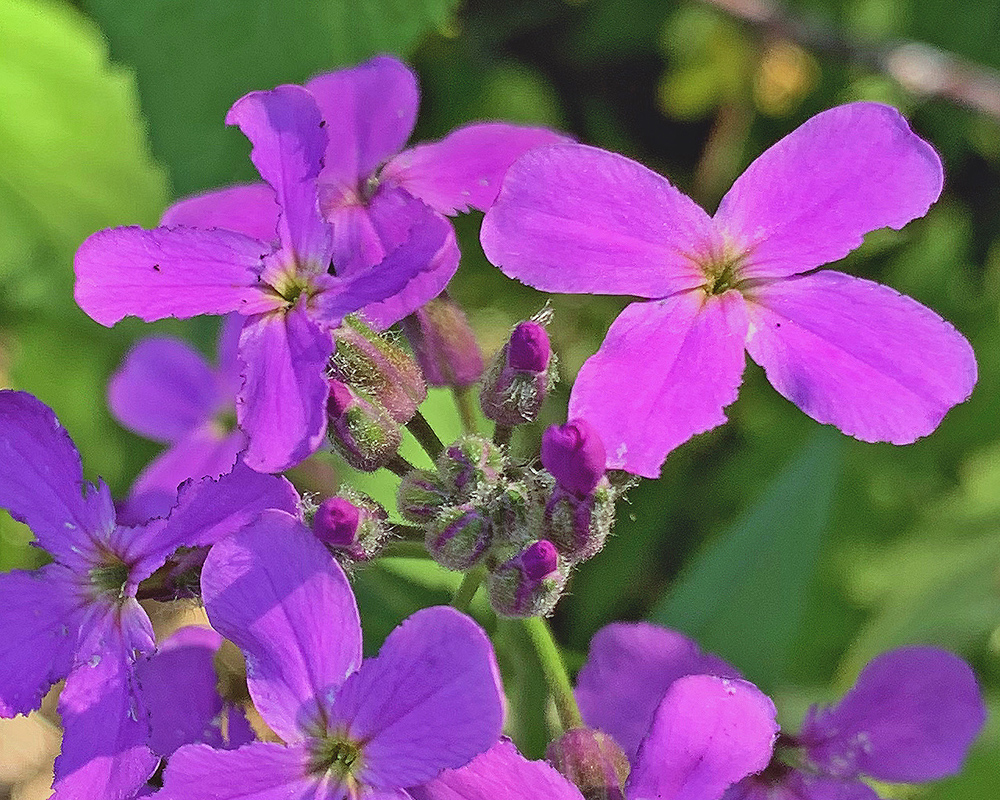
794, 552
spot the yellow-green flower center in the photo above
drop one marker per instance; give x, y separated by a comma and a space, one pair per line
722, 273
108, 579
338, 756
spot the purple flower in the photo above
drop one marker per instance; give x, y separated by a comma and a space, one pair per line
574, 455
285, 291
78, 617
166, 391
849, 352
429, 701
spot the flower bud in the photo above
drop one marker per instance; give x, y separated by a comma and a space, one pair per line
352, 528
520, 376
593, 761
421, 496
577, 526
459, 537
471, 467
444, 344
574, 455
529, 584
360, 430
374, 366
512, 509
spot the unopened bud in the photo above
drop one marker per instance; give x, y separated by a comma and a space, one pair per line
361, 430
459, 537
421, 495
471, 467
520, 376
593, 761
529, 584
577, 526
574, 455
378, 368
352, 528
444, 344
512, 509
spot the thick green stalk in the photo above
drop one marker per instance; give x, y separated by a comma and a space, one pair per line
554, 669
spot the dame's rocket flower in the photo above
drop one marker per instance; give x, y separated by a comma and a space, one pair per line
290, 293
78, 617
366, 731
849, 352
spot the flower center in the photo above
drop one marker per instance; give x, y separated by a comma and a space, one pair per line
337, 755
722, 274
109, 578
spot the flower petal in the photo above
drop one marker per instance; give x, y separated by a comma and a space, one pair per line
663, 374
251, 209
812, 197
431, 700
163, 389
282, 405
369, 111
707, 734
799, 786
629, 668
500, 772
911, 717
41, 481
168, 272
286, 130
258, 771
858, 355
572, 218
464, 169
294, 618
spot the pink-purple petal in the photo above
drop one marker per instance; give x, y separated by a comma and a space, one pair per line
250, 208
286, 130
500, 772
168, 272
707, 734
282, 405
572, 218
911, 717
464, 169
369, 111
629, 668
163, 389
280, 596
858, 355
797, 785
664, 373
811, 198
431, 700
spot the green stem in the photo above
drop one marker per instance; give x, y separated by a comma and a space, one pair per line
403, 549
424, 433
398, 465
467, 589
466, 412
502, 434
554, 669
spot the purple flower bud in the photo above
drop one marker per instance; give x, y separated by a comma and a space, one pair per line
336, 522
529, 584
377, 368
520, 376
360, 430
351, 526
421, 495
574, 454
593, 761
444, 344
471, 467
459, 537
579, 526
529, 349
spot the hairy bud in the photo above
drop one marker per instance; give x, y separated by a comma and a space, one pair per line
444, 344
593, 761
471, 468
574, 455
577, 526
354, 529
421, 496
459, 537
361, 430
530, 583
520, 376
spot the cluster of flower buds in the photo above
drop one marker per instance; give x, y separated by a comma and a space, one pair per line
351, 525
521, 375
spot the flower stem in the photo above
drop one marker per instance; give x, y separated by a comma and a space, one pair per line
463, 402
502, 434
467, 589
554, 669
424, 433
398, 465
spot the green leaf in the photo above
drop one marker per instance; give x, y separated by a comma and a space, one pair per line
194, 58
743, 597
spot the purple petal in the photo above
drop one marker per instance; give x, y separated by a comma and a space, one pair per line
664, 373
258, 771
282, 405
369, 111
629, 668
799, 786
431, 700
168, 272
858, 355
572, 218
911, 717
104, 749
41, 481
707, 734
227, 349
294, 618
464, 169
363, 233
251, 209
812, 197
500, 772
203, 453
38, 631
163, 389
288, 139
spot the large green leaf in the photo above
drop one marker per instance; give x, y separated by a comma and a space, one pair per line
743, 597
194, 58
